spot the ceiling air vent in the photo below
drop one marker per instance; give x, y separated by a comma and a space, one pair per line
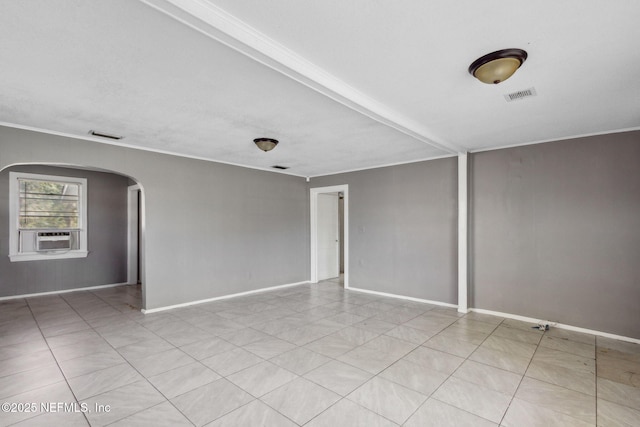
521, 94
104, 135
280, 167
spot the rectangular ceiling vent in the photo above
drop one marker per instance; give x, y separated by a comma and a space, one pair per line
105, 135
521, 94
280, 167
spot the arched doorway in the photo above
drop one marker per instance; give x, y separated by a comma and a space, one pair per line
108, 230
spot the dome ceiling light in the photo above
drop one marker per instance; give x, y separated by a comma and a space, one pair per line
497, 66
266, 144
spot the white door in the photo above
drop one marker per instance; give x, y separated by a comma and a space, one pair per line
328, 236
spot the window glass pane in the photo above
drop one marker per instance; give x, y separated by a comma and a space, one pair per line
49, 204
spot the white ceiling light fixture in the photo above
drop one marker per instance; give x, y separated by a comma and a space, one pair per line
266, 144
497, 66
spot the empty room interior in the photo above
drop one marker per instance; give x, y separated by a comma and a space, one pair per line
284, 213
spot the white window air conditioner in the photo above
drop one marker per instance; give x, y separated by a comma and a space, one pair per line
53, 241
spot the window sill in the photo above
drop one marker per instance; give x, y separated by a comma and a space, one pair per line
35, 256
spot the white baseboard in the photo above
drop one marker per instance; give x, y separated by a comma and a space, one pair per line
202, 301
64, 291
556, 325
384, 294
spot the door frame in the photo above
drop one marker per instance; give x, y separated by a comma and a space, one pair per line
313, 250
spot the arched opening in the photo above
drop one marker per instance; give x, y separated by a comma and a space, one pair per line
114, 229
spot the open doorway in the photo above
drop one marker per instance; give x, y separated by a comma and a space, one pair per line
330, 234
135, 238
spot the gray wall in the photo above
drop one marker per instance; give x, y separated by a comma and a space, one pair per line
107, 239
210, 229
556, 232
403, 228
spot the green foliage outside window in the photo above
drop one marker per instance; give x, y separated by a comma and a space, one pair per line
49, 204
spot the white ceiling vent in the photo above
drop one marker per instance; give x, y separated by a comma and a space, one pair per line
521, 94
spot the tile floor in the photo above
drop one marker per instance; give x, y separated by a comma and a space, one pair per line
311, 355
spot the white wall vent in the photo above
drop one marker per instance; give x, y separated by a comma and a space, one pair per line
521, 94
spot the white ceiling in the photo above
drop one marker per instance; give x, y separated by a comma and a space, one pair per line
344, 85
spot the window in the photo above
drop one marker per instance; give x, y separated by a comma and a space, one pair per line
48, 217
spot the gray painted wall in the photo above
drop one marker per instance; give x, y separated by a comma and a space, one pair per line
556, 232
210, 229
107, 239
403, 228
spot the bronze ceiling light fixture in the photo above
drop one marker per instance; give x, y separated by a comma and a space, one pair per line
266, 144
497, 66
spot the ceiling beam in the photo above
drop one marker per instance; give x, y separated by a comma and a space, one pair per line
219, 25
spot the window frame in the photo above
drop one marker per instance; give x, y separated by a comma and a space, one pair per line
14, 218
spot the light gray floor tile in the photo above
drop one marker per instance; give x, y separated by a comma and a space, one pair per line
183, 379
488, 376
72, 338
566, 345
30, 380
532, 336
163, 414
389, 345
357, 336
434, 359
559, 399
261, 378
269, 347
67, 328
368, 359
546, 355
618, 349
26, 362
209, 402
434, 413
473, 398
558, 386
486, 318
66, 419
475, 325
206, 348
451, 345
338, 377
231, 361
407, 333
300, 400
22, 349
622, 394
300, 360
509, 347
120, 402
388, 399
82, 348
501, 360
375, 326
522, 413
414, 377
161, 362
570, 335
256, 414
244, 336
612, 414
348, 413
98, 382
619, 370
331, 346
573, 379
57, 392
90, 363
464, 334
145, 348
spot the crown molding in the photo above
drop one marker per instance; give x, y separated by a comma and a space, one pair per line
214, 22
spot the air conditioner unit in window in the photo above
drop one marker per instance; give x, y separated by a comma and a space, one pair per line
53, 241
